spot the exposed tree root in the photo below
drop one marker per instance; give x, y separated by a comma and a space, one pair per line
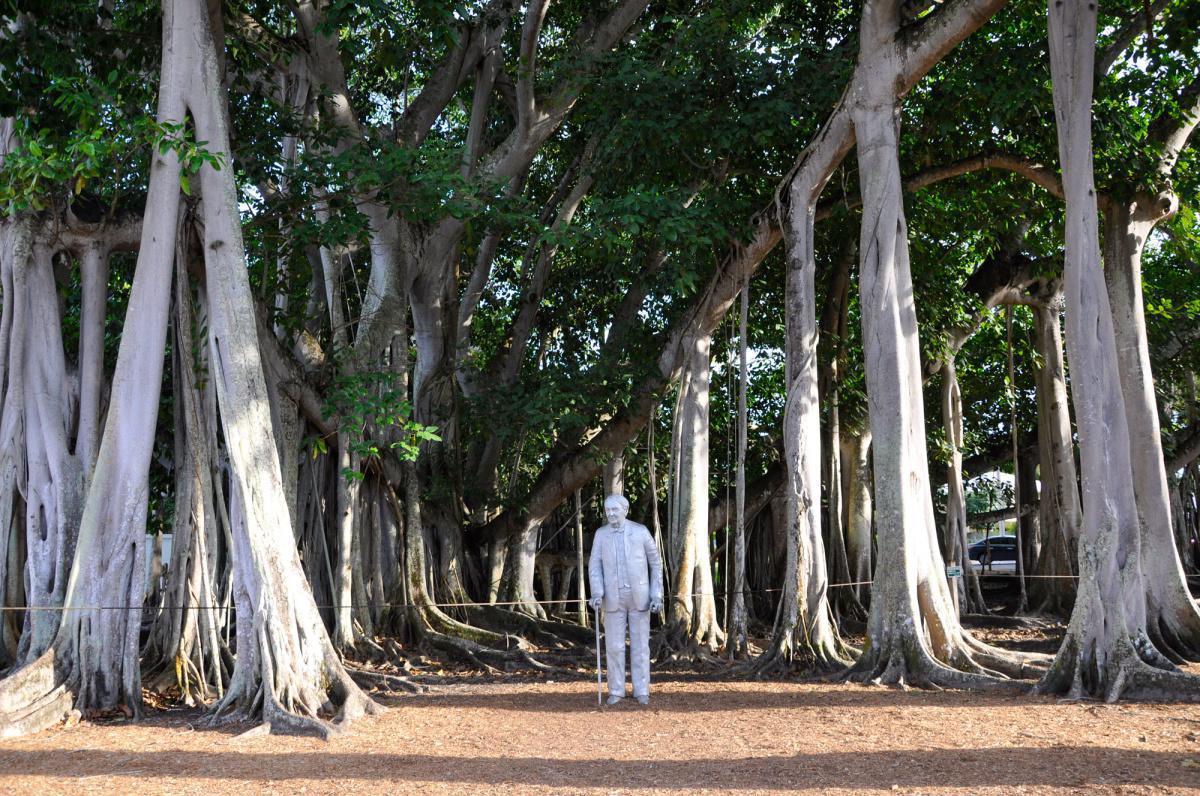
439, 621
911, 665
997, 620
786, 657
493, 661
1174, 630
689, 650
35, 697
1018, 665
392, 682
1140, 672
544, 631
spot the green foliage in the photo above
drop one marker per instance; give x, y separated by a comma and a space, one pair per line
373, 412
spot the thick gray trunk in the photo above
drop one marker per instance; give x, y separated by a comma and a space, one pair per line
1106, 651
913, 633
859, 520
93, 662
954, 540
1173, 621
1058, 504
693, 610
804, 629
286, 670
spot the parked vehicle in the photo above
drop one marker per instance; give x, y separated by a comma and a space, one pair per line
994, 556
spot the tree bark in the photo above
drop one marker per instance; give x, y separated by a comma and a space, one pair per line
954, 539
1106, 652
692, 618
1173, 620
804, 629
913, 634
93, 661
859, 521
1061, 515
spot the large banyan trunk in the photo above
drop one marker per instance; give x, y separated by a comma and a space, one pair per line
287, 672
186, 645
49, 412
859, 509
954, 540
913, 634
93, 661
1061, 515
692, 615
42, 415
1107, 651
804, 629
434, 405
286, 667
1172, 618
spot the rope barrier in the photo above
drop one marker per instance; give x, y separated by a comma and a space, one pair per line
565, 601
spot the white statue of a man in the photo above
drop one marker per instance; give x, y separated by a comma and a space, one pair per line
625, 573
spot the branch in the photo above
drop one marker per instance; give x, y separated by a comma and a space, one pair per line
523, 324
1127, 35
614, 27
1025, 167
1173, 132
535, 15
516, 152
282, 369
1186, 452
758, 495
940, 33
477, 39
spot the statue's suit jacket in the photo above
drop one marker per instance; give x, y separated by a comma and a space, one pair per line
641, 556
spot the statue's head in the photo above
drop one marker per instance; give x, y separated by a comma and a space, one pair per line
616, 508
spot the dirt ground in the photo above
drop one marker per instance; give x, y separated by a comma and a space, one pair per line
521, 735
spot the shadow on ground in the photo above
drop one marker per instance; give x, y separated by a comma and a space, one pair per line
1064, 766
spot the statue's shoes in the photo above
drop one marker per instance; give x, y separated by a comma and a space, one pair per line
614, 699
643, 700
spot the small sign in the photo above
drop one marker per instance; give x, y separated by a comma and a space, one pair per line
954, 572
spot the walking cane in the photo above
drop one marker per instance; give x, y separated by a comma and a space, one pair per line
599, 688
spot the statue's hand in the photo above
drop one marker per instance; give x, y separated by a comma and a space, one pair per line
655, 606
595, 602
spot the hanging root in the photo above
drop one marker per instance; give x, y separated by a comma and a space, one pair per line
36, 697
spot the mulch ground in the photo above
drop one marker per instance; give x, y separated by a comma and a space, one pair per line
519, 735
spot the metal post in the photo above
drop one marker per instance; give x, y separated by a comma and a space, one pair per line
599, 687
